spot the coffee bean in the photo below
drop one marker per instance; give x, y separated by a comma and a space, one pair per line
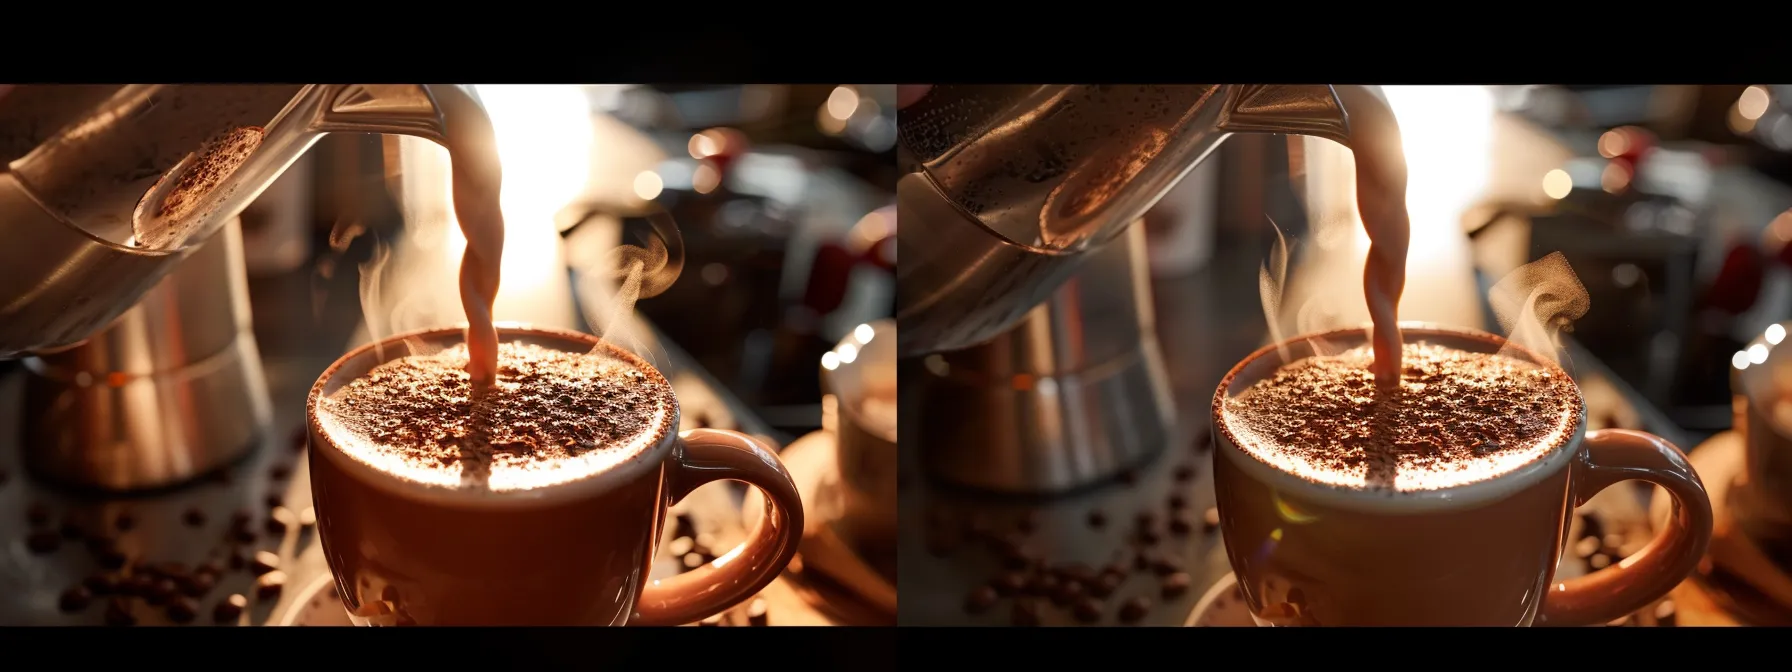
274, 500
198, 584
101, 584
1087, 610
758, 612
1141, 561
76, 598
136, 584
1210, 520
680, 546
980, 599
118, 612
1024, 612
230, 609
209, 567
43, 542
1105, 585
183, 610
1185, 473
1178, 501
71, 530
308, 517
1665, 613
1077, 572
692, 560
1018, 557
268, 586
1129, 477
280, 472
194, 517
276, 523
160, 591
1009, 584
125, 522
1145, 519
1134, 610
1599, 561
240, 518
1146, 537
711, 622
37, 514
1585, 548
112, 558
1068, 592
1182, 524
1098, 519
1175, 585
1165, 566
241, 536
264, 562
235, 559
1028, 522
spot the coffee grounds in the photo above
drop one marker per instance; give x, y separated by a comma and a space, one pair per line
418, 413
1457, 418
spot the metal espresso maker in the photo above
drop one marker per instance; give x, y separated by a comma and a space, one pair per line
1023, 282
122, 279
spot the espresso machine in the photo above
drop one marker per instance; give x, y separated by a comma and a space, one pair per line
123, 287
1024, 286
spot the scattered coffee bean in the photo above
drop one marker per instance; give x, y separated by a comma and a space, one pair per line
235, 559
1178, 501
692, 560
264, 562
1185, 473
1175, 585
1105, 585
1129, 477
1585, 548
1210, 520
758, 612
1024, 612
76, 598
1599, 561
160, 591
308, 517
194, 517
712, 622
1182, 524
101, 584
197, 584
241, 518
1145, 519
230, 609
125, 522
136, 585
1134, 610
242, 536
1613, 540
276, 522
1665, 613
1142, 561
267, 586
1068, 593
280, 472
72, 530
209, 567
183, 610
1087, 610
1146, 537
1165, 566
118, 612
112, 558
1077, 572
1009, 584
1018, 557
980, 599
680, 546
1098, 519
37, 514
274, 499
43, 542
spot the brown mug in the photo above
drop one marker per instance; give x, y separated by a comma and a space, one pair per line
577, 553
1478, 554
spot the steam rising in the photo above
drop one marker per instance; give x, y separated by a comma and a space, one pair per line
1538, 301
1272, 276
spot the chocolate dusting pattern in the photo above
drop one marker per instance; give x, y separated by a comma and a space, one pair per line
548, 407
1458, 418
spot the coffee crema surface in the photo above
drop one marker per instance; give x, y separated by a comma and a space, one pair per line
1458, 418
552, 417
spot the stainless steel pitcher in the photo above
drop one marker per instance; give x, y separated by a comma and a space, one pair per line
1006, 189
90, 169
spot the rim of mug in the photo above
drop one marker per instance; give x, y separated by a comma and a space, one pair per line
653, 456
1459, 496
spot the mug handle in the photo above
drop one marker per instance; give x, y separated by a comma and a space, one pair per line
1615, 455
705, 456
